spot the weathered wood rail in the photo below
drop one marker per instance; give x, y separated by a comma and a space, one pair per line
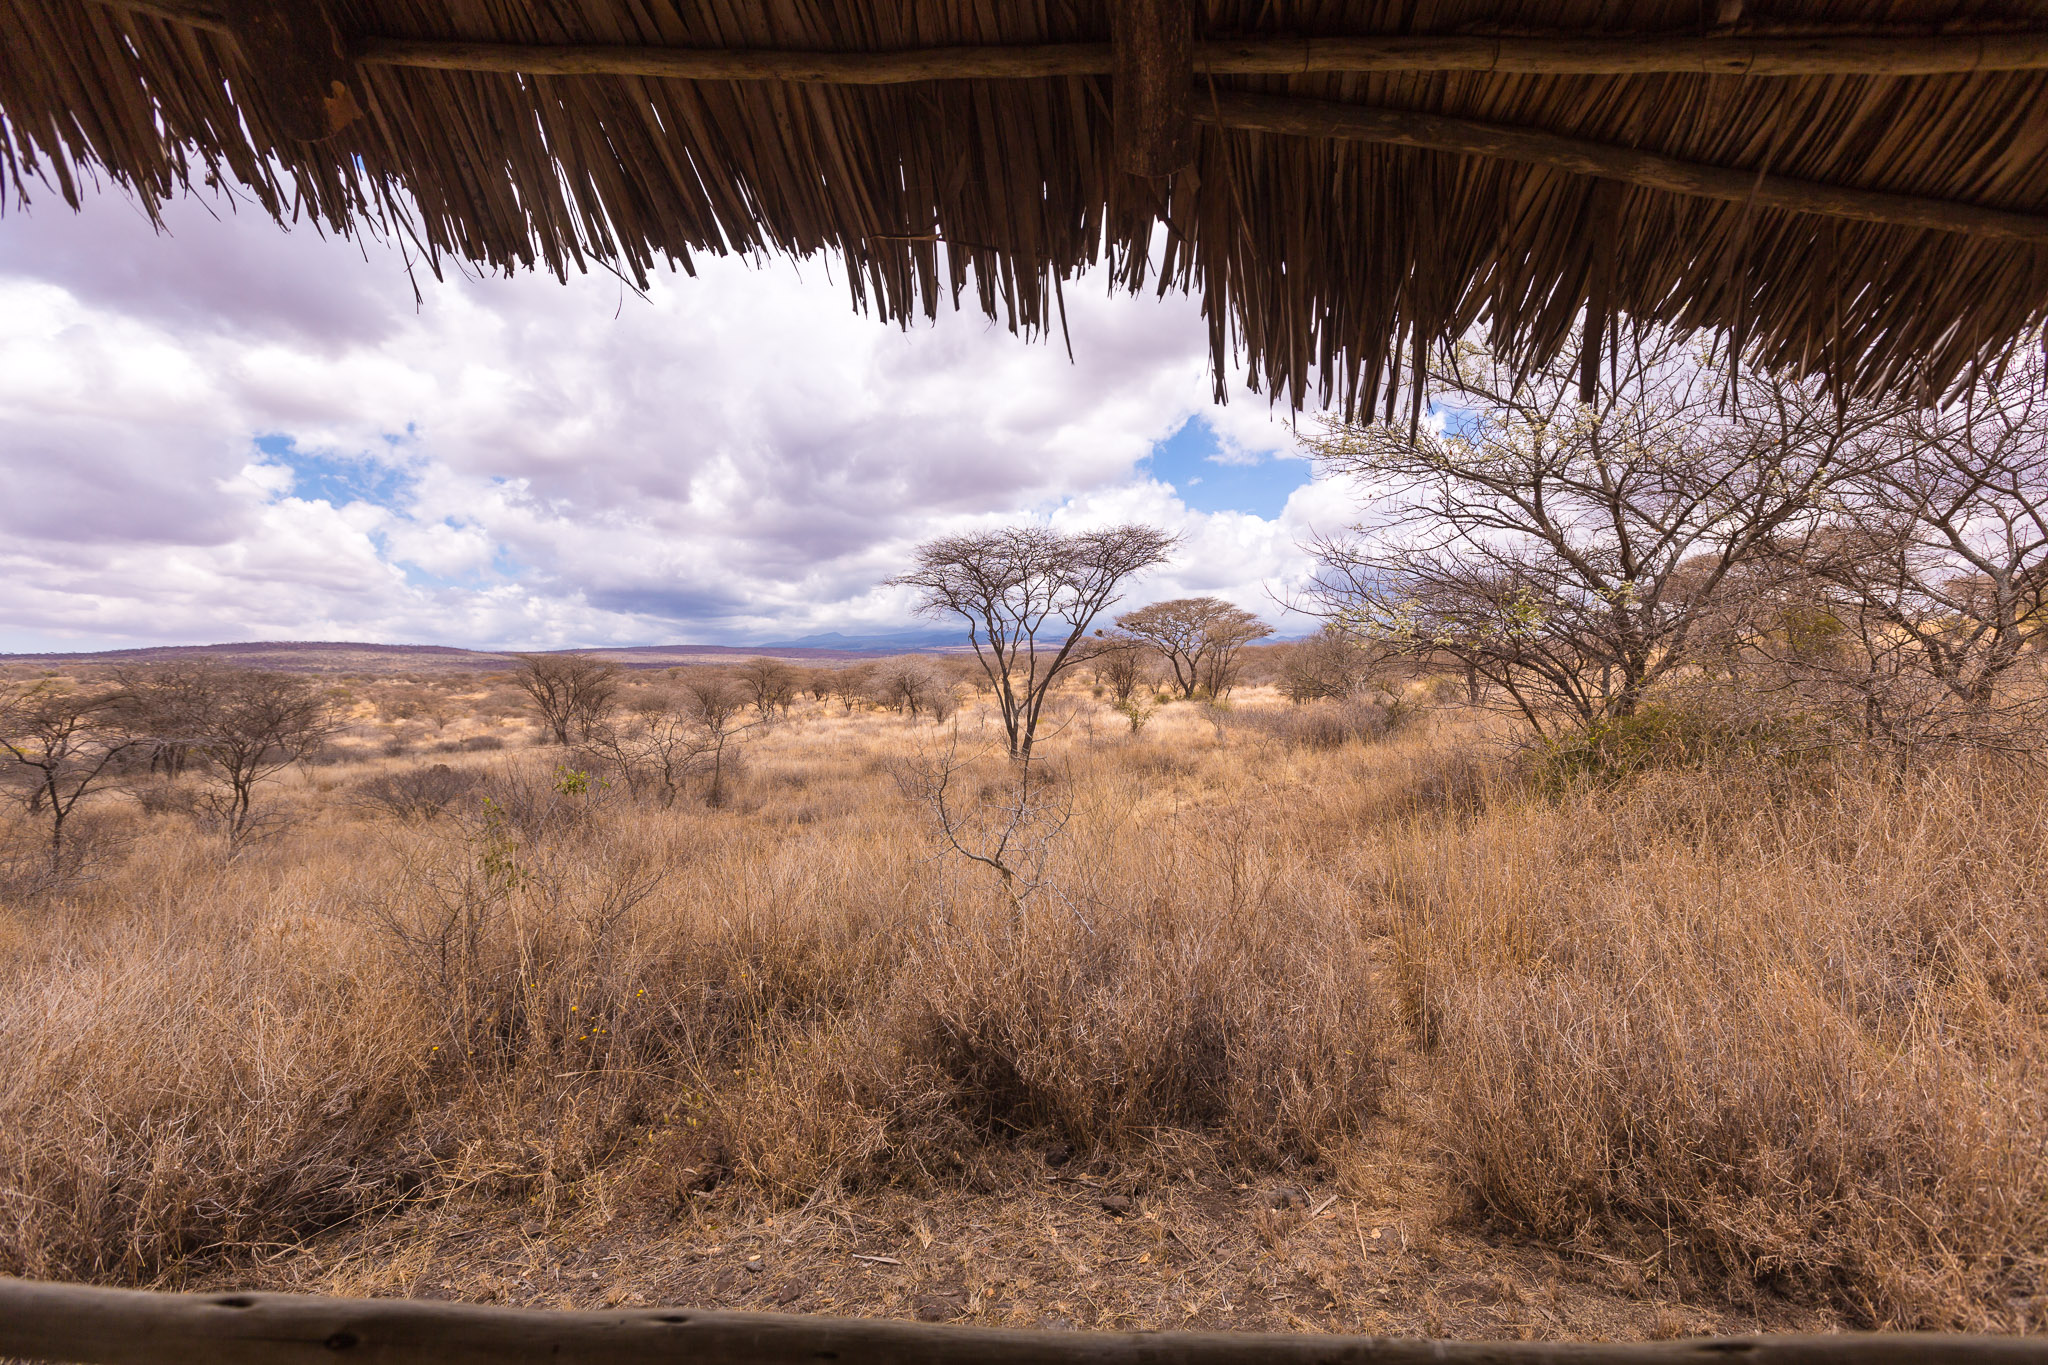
63, 1322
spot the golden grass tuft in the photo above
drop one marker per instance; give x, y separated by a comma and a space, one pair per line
1791, 1046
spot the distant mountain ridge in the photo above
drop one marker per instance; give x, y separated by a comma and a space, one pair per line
340, 656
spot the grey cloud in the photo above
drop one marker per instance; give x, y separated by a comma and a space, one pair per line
83, 482
669, 604
213, 269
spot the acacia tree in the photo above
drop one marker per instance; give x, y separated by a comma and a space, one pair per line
64, 742
1229, 633
713, 704
1538, 539
263, 723
1119, 663
173, 704
676, 735
852, 684
574, 695
1944, 546
913, 685
1199, 637
770, 684
1029, 595
1331, 664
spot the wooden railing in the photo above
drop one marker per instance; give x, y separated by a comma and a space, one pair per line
64, 1322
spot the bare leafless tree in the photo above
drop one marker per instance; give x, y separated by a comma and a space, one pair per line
1009, 826
1199, 637
1229, 633
173, 703
713, 704
1029, 596
666, 741
853, 683
1538, 540
573, 694
914, 685
417, 701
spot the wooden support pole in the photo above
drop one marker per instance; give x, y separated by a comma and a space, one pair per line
130, 1327
1400, 128
1152, 85
292, 54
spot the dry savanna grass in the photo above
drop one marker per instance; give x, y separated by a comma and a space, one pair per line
1714, 1048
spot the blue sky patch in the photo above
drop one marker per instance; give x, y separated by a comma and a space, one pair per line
1191, 460
338, 480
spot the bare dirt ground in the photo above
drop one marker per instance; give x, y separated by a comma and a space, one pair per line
1050, 1245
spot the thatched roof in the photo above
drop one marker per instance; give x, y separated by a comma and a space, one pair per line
1856, 187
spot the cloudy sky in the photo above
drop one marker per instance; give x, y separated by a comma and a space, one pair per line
230, 432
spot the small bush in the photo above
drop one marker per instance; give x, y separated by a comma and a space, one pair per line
1136, 711
415, 793
167, 798
535, 807
1819, 1077
1117, 1034
164, 1116
1454, 782
1688, 732
1330, 724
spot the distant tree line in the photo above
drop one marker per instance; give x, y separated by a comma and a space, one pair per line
231, 727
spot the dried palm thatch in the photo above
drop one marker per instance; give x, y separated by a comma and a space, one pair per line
1850, 187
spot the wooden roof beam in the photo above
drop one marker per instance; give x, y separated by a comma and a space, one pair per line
1753, 54
1643, 55
1433, 132
1823, 55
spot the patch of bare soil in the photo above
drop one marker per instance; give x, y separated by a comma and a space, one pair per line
1049, 1247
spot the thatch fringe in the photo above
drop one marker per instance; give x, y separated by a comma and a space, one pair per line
1323, 262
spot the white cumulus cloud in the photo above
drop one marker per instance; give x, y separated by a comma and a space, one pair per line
228, 431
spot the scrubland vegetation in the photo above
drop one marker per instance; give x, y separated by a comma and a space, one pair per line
1770, 1031
1639, 873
